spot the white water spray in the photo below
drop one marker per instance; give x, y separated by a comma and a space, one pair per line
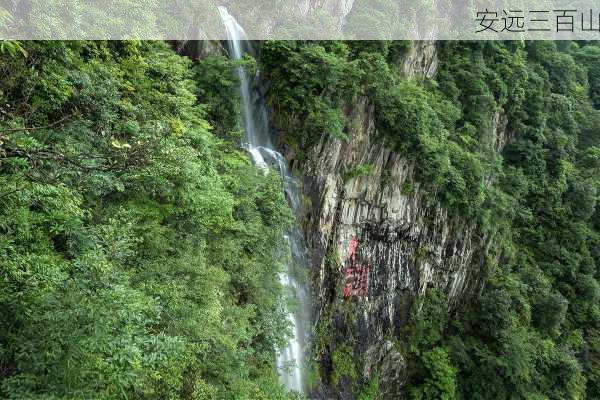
261, 149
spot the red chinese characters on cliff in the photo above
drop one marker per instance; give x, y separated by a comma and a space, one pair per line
357, 273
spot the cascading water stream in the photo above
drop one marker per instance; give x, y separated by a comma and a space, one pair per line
259, 145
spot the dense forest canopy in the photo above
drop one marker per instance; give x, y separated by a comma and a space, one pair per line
140, 249
139, 252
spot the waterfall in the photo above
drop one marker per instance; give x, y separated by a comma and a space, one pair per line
259, 145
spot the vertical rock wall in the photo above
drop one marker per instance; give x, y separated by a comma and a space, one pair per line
404, 236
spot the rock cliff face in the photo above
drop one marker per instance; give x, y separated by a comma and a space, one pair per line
337, 8
421, 60
402, 239
197, 49
303, 12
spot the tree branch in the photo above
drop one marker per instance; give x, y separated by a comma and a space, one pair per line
35, 128
10, 192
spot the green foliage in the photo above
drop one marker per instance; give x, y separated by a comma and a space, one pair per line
360, 170
431, 374
311, 83
440, 380
525, 335
11, 47
218, 91
140, 254
343, 365
370, 391
588, 56
313, 375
